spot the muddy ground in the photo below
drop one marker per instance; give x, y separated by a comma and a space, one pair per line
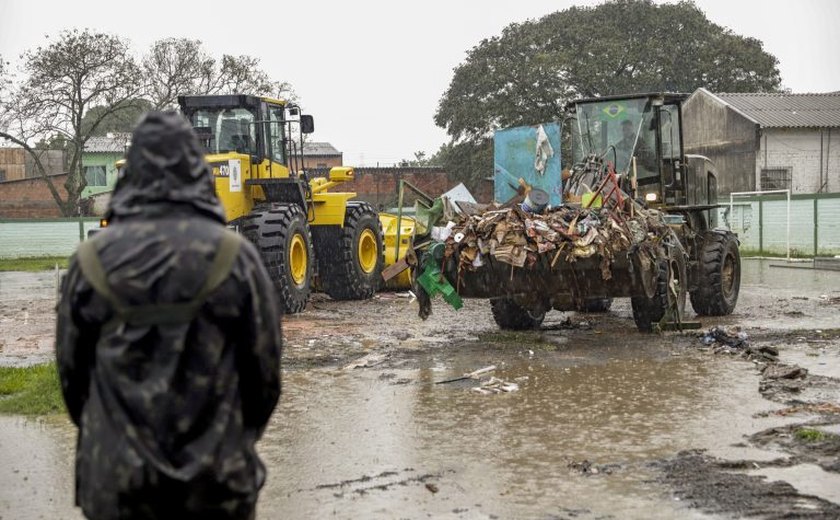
602, 422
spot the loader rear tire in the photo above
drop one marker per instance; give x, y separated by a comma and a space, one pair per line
281, 234
720, 275
353, 271
509, 315
649, 311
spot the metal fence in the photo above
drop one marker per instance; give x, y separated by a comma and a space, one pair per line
54, 237
761, 222
765, 226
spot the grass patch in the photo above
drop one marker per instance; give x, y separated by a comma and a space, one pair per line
33, 390
794, 253
809, 435
32, 264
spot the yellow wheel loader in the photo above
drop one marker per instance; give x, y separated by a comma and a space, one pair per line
299, 226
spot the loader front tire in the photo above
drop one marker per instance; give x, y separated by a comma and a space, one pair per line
719, 280
281, 234
647, 312
509, 315
353, 271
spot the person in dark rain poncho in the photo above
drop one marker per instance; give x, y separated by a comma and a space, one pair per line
168, 344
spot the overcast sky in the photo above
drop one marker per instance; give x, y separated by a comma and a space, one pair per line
372, 72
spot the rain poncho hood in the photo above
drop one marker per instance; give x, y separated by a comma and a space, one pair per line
165, 172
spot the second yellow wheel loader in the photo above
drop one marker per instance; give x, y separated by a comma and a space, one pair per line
299, 226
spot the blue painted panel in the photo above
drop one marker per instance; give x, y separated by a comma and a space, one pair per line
514, 155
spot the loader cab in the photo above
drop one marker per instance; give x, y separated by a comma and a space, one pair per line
258, 127
641, 136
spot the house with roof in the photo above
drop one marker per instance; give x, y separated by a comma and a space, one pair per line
99, 161
767, 141
321, 155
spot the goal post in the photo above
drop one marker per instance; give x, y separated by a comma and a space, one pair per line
785, 192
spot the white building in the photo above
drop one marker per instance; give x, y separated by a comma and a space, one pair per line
767, 141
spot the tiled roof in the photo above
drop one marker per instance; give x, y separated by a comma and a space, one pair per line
112, 143
320, 149
788, 110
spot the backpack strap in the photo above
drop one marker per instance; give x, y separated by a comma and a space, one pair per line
94, 273
160, 313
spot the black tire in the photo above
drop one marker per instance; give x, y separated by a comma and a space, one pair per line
595, 305
509, 315
649, 311
343, 274
273, 231
719, 280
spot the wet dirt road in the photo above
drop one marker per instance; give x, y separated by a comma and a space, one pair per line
603, 424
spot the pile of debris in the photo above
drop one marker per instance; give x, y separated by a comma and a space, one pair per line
517, 237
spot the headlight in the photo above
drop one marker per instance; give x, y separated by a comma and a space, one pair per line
651, 197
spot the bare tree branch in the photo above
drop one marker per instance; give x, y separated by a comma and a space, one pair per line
63, 80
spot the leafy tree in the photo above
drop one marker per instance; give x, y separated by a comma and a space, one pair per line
122, 120
420, 160
528, 73
63, 80
180, 66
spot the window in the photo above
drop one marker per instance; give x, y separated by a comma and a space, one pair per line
230, 130
322, 165
277, 133
95, 176
2, 175
776, 178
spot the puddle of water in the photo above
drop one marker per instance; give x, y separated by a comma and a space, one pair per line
352, 444
817, 360
356, 445
808, 479
763, 286
36, 476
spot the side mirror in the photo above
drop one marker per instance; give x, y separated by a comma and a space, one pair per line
307, 124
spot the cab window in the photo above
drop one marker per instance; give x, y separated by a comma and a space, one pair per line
277, 131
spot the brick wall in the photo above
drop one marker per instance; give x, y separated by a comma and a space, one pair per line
380, 186
799, 150
30, 198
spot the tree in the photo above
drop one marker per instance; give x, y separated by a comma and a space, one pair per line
176, 66
420, 160
78, 71
528, 73
117, 121
180, 66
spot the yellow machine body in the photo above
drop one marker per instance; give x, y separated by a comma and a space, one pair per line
389, 230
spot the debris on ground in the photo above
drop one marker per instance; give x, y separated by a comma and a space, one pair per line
726, 337
763, 353
568, 324
494, 385
584, 467
832, 300
782, 371
807, 409
475, 374
709, 484
370, 360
